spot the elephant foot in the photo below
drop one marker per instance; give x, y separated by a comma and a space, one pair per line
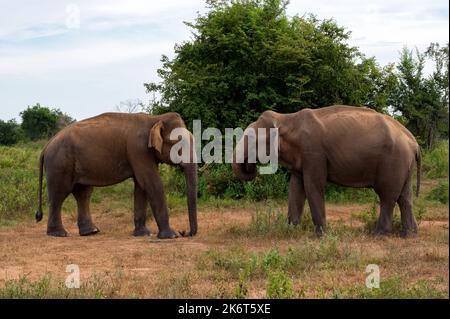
57, 232
86, 231
293, 221
380, 232
167, 234
141, 231
320, 231
408, 233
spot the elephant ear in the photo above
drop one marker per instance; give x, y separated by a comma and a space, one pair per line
155, 139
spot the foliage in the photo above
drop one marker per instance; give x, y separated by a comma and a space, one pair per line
423, 101
19, 180
279, 285
439, 193
339, 194
270, 223
435, 161
10, 132
41, 122
249, 56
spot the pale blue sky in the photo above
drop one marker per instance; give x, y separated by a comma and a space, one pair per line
89, 69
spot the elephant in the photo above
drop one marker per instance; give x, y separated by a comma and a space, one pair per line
346, 145
108, 149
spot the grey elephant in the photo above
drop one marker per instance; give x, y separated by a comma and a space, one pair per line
106, 150
349, 146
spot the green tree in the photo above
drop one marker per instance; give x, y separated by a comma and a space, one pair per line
247, 56
422, 100
10, 132
41, 122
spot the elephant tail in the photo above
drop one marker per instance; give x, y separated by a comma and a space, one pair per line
39, 213
419, 169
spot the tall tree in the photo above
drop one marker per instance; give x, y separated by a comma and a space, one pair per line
423, 100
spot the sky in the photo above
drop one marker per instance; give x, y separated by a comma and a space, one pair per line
85, 57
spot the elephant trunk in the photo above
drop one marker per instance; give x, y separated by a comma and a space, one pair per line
242, 169
190, 172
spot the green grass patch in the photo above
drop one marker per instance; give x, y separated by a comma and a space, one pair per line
272, 223
48, 287
395, 287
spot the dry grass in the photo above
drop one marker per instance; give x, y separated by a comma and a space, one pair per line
225, 260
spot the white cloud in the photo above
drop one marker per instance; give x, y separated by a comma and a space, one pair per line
65, 60
128, 37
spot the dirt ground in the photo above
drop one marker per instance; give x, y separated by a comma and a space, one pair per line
146, 266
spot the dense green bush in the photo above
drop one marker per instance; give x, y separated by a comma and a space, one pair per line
435, 161
41, 122
439, 193
10, 132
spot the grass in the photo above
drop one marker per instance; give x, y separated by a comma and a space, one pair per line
396, 287
48, 287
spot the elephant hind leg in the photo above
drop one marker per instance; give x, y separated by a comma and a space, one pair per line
82, 194
57, 193
384, 224
409, 224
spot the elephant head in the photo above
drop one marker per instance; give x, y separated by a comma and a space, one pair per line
169, 132
246, 153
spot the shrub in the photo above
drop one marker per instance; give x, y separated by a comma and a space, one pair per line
435, 162
10, 132
439, 193
41, 122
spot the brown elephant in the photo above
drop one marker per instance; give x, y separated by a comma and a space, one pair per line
349, 146
106, 150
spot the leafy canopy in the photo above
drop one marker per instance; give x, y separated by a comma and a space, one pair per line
248, 56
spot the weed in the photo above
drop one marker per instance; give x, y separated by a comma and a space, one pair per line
279, 285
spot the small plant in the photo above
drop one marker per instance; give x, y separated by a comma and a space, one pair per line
279, 285
241, 291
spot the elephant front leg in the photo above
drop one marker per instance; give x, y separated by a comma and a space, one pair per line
315, 193
296, 199
140, 211
155, 193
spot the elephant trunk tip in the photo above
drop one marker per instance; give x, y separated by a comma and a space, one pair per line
38, 215
244, 171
